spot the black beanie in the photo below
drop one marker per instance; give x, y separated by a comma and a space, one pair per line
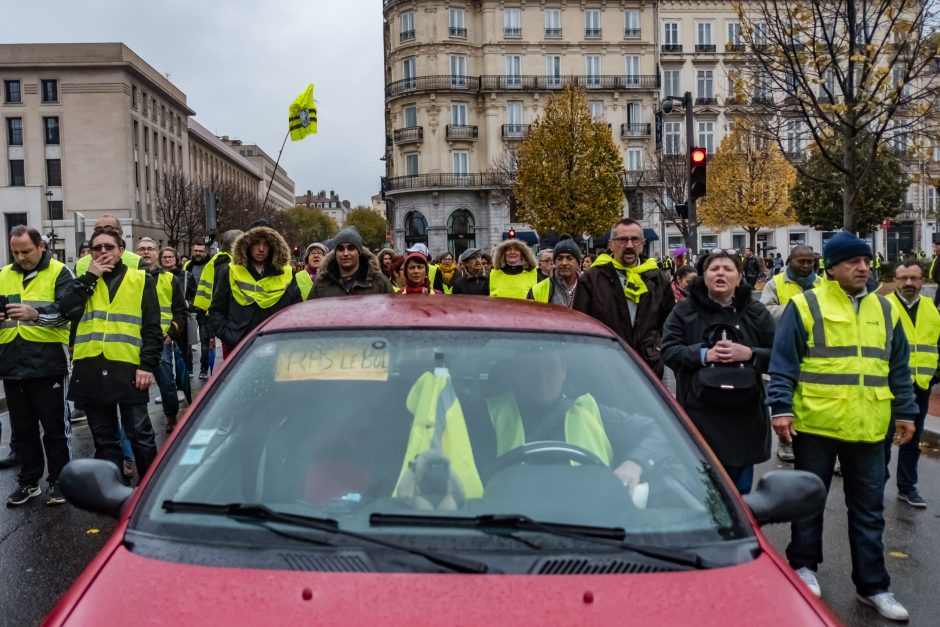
842, 246
567, 245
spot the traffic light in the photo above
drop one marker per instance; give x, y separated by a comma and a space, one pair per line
697, 163
512, 233
682, 210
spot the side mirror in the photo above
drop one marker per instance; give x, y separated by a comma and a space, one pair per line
787, 496
94, 485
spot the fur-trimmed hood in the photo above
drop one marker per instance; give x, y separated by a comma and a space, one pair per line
280, 252
499, 254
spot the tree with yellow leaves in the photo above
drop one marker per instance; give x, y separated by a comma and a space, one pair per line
749, 182
568, 170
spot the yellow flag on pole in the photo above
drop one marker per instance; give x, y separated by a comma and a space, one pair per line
302, 116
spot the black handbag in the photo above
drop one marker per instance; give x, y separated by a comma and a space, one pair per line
726, 386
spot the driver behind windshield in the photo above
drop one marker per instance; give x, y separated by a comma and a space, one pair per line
536, 408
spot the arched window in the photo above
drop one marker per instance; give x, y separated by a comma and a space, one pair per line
416, 229
460, 232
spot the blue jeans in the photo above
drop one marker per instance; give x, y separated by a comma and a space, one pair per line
863, 480
166, 381
908, 454
126, 449
742, 476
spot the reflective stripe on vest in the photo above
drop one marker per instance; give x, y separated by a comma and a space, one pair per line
843, 390
583, 425
39, 293
112, 327
204, 289
542, 291
129, 258
264, 293
922, 337
165, 296
439, 424
786, 290
504, 285
304, 282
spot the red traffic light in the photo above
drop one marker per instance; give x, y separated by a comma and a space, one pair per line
698, 156
512, 233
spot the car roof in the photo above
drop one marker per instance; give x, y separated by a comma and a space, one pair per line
433, 312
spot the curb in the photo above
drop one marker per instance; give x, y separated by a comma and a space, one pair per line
931, 435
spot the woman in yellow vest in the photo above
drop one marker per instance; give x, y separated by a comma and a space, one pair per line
118, 341
515, 270
257, 284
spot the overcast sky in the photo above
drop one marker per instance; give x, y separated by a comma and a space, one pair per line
242, 62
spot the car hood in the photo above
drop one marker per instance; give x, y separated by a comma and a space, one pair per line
159, 592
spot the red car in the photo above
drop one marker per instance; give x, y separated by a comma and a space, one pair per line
437, 461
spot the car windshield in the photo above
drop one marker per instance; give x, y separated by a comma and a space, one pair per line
347, 424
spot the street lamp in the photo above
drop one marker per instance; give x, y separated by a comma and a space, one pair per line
686, 101
51, 220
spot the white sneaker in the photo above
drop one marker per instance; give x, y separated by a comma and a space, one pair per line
886, 605
159, 399
809, 578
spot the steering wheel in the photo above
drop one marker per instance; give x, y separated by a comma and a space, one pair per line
548, 452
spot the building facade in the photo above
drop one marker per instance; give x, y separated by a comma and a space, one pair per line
212, 162
466, 78
281, 194
330, 204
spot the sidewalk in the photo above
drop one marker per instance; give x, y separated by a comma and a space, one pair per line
931, 435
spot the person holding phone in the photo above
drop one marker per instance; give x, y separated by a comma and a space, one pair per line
33, 363
118, 342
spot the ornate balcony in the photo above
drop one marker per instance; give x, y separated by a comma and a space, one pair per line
512, 33
632, 33
515, 131
592, 33
641, 82
635, 130
435, 181
408, 35
409, 135
706, 101
734, 47
461, 131
671, 48
552, 33
454, 31
444, 82
705, 48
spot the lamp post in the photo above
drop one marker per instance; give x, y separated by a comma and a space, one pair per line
686, 101
51, 220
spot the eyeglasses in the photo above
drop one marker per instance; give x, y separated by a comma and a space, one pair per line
103, 247
628, 240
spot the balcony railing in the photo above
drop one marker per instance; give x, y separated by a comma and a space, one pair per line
432, 83
734, 47
706, 101
635, 130
592, 33
671, 48
553, 33
740, 99
454, 31
426, 181
515, 131
632, 33
704, 48
512, 33
460, 131
407, 35
409, 134
762, 99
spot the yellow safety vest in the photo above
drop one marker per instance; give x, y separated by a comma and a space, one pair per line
129, 258
206, 279
786, 290
542, 291
264, 293
922, 337
39, 293
112, 327
504, 285
843, 390
165, 296
583, 425
305, 283
439, 423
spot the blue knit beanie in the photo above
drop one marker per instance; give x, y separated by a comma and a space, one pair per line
842, 246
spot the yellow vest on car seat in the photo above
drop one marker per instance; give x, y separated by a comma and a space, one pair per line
39, 293
922, 337
439, 423
504, 285
112, 327
265, 293
583, 425
843, 390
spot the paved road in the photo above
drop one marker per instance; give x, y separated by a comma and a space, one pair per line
43, 549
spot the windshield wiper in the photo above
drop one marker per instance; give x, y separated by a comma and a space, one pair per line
608, 536
249, 512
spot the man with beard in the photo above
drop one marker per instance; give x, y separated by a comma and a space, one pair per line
559, 288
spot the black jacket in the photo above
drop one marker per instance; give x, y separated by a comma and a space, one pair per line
21, 359
187, 285
471, 285
98, 380
600, 295
740, 437
369, 279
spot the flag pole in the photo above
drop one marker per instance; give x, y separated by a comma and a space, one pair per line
274, 173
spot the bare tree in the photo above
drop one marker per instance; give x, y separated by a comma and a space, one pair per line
237, 205
674, 179
857, 69
179, 206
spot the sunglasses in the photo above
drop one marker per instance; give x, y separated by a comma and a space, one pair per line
103, 247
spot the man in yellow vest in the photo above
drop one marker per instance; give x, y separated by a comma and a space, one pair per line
33, 363
204, 291
839, 375
117, 349
562, 282
921, 322
172, 323
257, 284
515, 270
798, 275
